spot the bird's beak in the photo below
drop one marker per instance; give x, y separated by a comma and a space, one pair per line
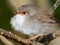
17, 12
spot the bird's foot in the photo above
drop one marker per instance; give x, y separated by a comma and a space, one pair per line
37, 36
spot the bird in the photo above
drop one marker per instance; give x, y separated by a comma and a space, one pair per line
33, 21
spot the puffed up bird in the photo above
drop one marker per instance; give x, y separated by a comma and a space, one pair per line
31, 20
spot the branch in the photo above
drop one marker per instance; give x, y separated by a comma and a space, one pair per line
17, 38
33, 41
4, 40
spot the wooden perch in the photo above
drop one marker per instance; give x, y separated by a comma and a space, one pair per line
17, 38
29, 41
5, 40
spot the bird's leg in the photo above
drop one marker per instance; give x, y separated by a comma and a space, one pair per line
35, 37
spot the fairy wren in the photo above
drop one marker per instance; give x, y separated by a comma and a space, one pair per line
31, 20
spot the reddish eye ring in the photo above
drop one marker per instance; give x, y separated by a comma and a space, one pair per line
18, 12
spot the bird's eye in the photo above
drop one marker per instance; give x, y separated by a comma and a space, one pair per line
24, 12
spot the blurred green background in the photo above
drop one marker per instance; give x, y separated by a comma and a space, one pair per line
6, 12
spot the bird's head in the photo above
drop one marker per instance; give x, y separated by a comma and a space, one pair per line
22, 14
26, 10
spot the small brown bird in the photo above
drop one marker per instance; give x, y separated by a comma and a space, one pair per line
31, 20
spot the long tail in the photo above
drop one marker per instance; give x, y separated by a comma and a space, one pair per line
55, 6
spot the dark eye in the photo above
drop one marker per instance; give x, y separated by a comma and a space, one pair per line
24, 12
